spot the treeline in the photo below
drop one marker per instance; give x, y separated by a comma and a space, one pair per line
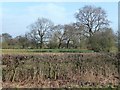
90, 31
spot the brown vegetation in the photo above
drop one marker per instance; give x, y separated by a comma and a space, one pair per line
60, 70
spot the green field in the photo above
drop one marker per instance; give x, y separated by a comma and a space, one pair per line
13, 51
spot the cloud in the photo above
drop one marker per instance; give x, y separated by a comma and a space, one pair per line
56, 13
15, 20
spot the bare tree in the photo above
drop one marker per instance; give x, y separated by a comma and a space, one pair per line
7, 40
92, 18
22, 41
70, 33
6, 37
32, 37
41, 30
59, 34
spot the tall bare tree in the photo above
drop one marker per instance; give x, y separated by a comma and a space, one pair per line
92, 18
41, 30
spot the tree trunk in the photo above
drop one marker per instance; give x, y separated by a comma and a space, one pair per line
60, 43
68, 43
41, 42
23, 46
37, 46
90, 41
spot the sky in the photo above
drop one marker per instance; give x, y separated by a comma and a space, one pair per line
16, 16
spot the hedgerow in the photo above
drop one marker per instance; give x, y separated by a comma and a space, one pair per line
62, 69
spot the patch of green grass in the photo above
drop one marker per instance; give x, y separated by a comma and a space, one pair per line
61, 50
15, 51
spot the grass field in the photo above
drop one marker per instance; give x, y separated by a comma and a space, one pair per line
16, 51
